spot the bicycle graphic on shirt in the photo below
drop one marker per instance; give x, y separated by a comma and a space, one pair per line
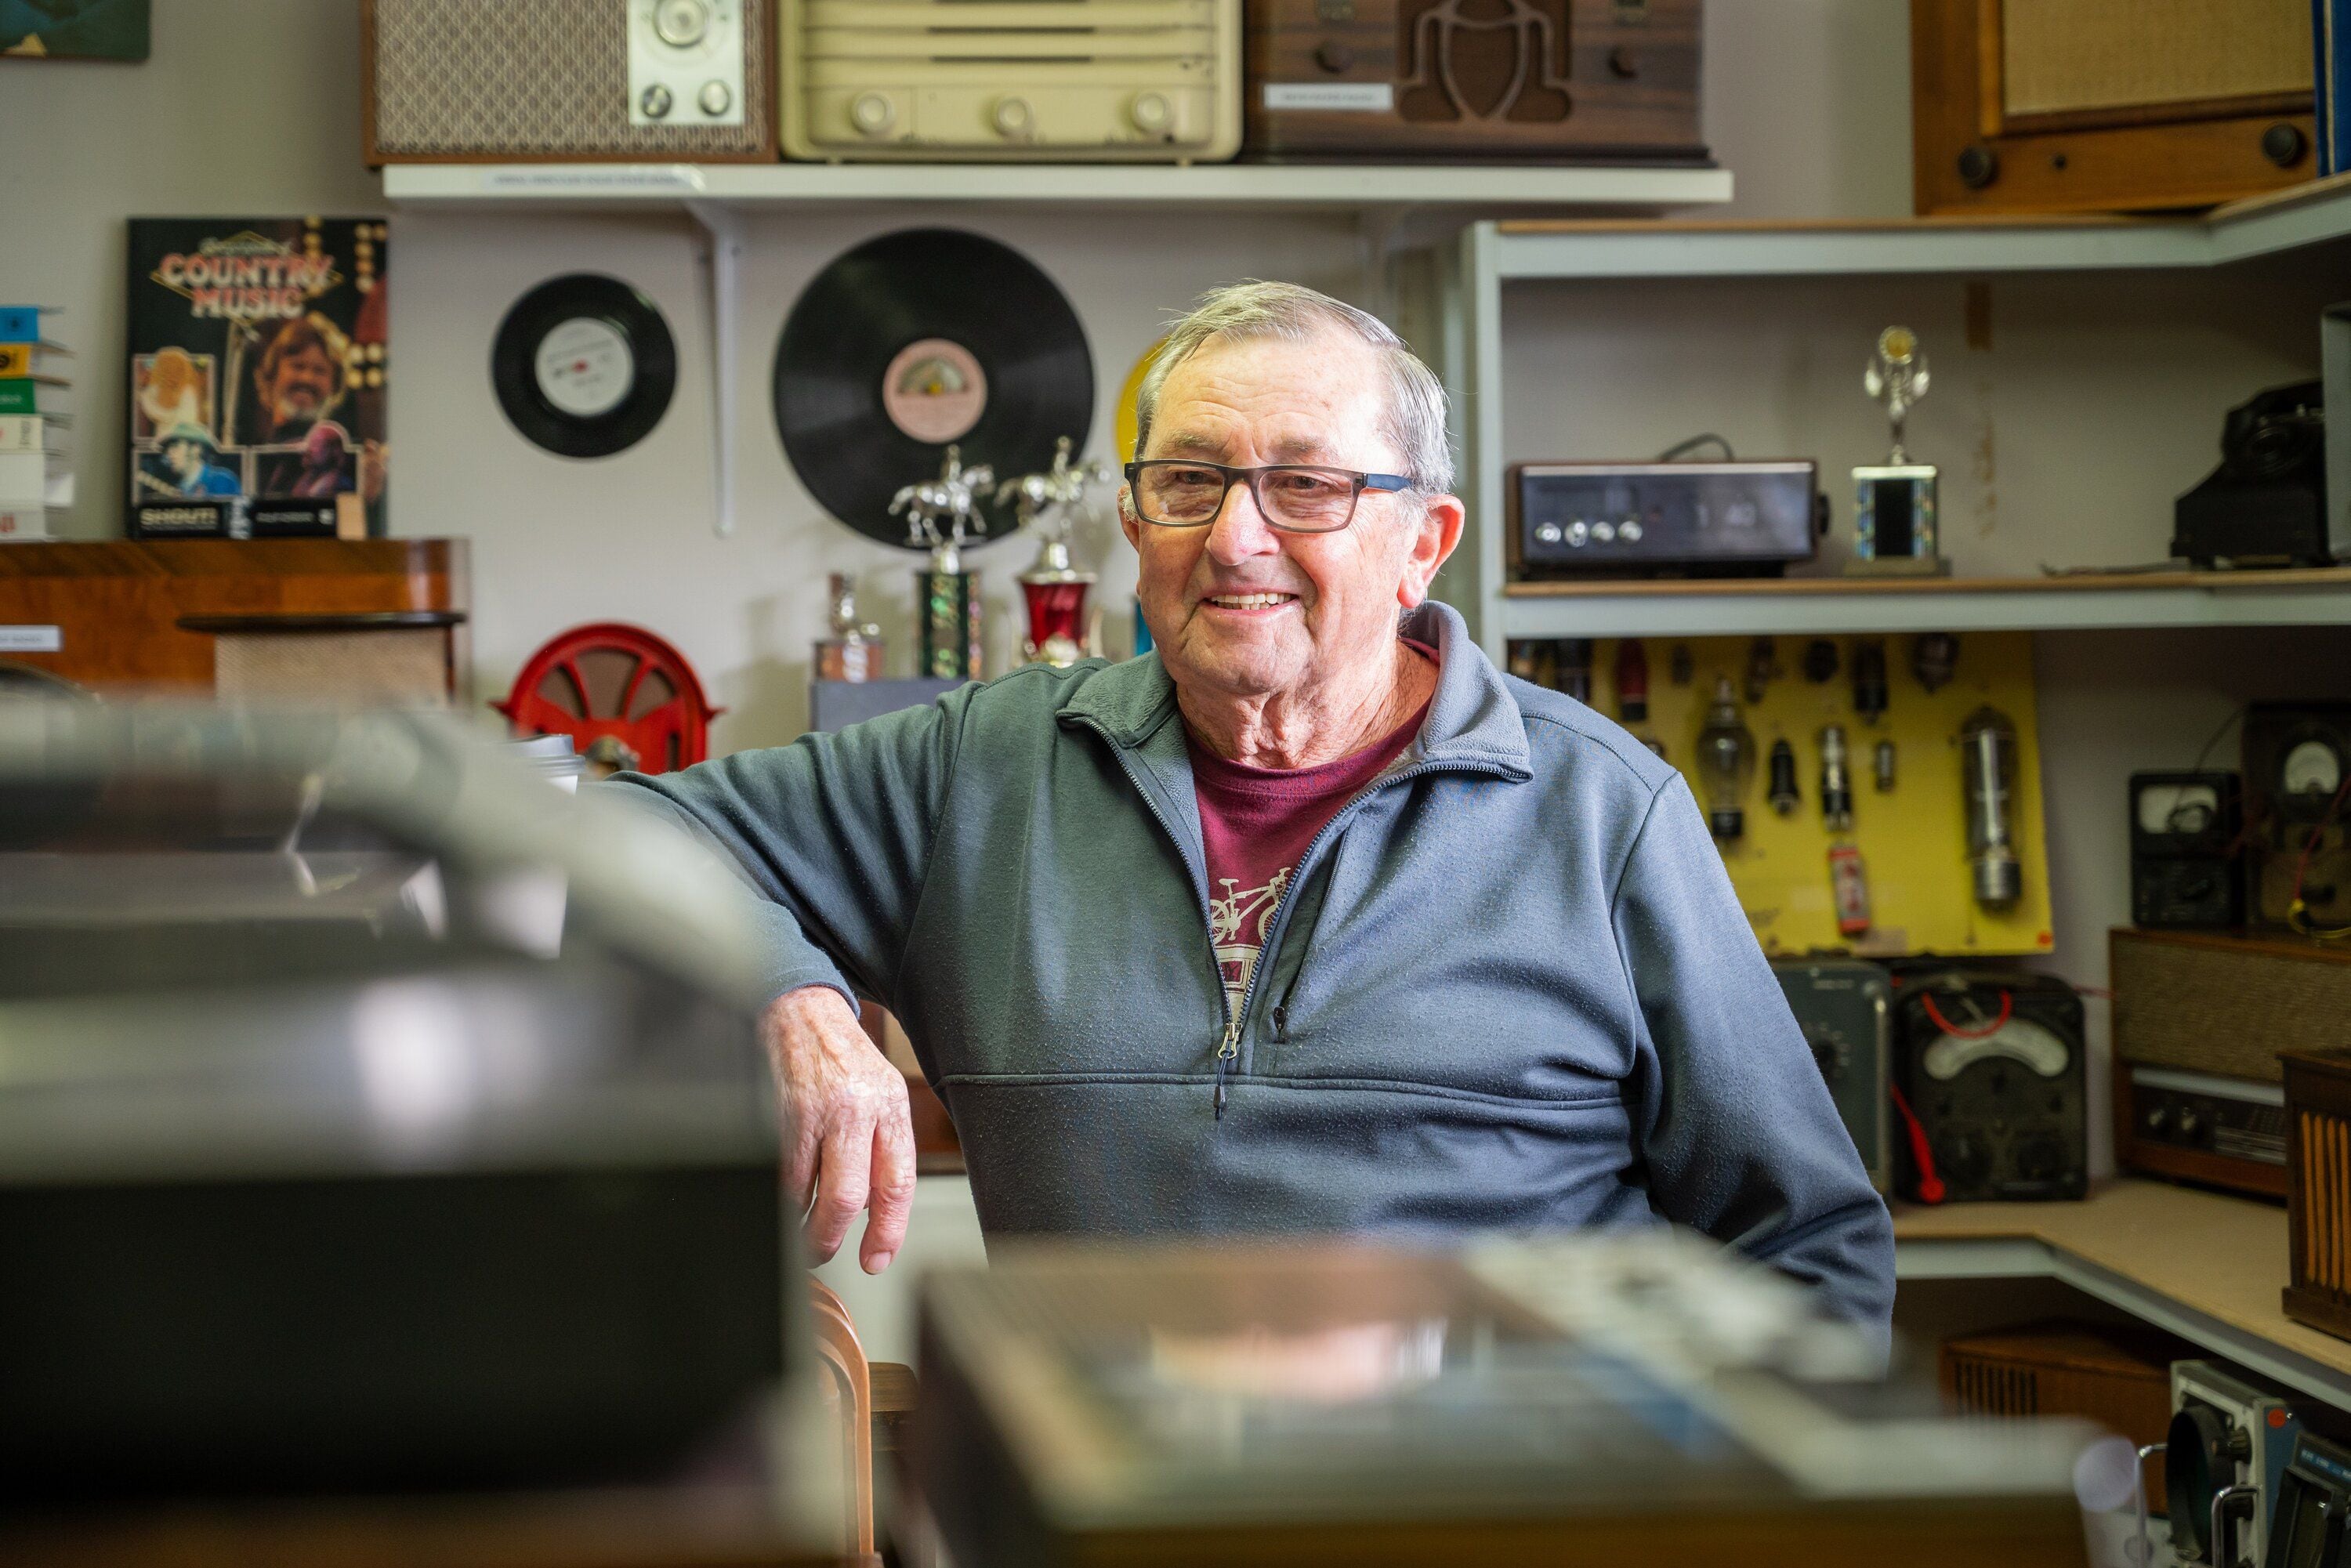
1236, 955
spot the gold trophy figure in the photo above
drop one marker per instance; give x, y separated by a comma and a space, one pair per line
1894, 501
1048, 505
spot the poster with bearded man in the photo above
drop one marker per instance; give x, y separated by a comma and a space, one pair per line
258, 378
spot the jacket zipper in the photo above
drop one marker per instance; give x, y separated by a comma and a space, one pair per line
1229, 1049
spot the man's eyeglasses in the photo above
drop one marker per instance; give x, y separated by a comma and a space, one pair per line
1296, 497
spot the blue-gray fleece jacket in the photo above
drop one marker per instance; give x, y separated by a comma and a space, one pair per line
1511, 988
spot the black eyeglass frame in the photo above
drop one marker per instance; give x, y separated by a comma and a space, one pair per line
1383, 484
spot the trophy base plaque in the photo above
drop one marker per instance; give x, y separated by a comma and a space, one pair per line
1894, 520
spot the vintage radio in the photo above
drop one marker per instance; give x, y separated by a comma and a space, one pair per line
2297, 763
456, 81
1146, 81
1844, 1009
2307, 1521
2224, 1458
2318, 1188
1992, 1067
1560, 80
2118, 1378
2185, 829
1726, 518
2200, 1021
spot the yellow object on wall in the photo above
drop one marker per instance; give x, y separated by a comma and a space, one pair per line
1913, 840
1128, 424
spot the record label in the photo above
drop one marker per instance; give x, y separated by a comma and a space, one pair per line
585, 368
935, 391
584, 365
917, 339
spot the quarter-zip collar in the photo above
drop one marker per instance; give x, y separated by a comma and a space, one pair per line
1473, 721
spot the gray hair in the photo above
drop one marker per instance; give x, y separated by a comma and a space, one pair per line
1416, 423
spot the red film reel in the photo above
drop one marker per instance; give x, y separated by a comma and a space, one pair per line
622, 695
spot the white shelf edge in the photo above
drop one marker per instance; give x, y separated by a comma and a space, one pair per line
556, 186
2229, 236
1827, 614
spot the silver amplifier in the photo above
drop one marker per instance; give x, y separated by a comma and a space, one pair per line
457, 81
1012, 80
1732, 517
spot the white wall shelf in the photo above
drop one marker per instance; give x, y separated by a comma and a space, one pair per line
1830, 606
1294, 186
2242, 231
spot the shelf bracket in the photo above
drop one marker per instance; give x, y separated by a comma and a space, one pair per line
722, 277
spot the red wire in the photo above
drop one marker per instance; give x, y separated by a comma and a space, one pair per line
1930, 1186
2007, 1006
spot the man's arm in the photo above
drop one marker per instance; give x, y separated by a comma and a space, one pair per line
1741, 1137
834, 832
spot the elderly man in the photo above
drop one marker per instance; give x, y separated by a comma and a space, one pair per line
1310, 921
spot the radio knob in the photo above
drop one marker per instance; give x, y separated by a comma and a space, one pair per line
1603, 534
872, 112
2190, 1123
1335, 58
1577, 532
1629, 531
716, 98
2158, 1121
1151, 112
681, 23
1014, 119
655, 101
1549, 533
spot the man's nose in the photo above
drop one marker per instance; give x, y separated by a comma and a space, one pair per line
1240, 531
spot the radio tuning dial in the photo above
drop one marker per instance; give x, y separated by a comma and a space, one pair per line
655, 102
1014, 119
872, 113
1151, 112
681, 24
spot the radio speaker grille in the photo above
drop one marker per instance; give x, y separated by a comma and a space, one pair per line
2225, 1004
458, 79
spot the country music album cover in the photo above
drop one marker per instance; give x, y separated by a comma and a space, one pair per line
257, 377
74, 29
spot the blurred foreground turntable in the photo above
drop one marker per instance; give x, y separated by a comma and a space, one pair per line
379, 1123
1601, 1400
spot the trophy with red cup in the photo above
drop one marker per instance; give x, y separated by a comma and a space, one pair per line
1048, 504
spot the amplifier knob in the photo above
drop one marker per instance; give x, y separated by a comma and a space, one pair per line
1577, 532
1151, 112
1604, 533
681, 23
1549, 533
1014, 119
655, 101
872, 112
715, 98
1629, 531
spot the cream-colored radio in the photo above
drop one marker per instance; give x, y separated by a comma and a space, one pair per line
1012, 80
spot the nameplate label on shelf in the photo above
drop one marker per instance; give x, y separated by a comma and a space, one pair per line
618, 179
1367, 97
31, 640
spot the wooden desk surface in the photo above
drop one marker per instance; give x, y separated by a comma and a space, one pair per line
2220, 1256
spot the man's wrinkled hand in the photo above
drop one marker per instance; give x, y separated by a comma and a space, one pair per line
851, 1137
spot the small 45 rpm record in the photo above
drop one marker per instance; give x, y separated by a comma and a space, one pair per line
916, 340
584, 365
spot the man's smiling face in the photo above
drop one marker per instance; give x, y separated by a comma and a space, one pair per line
1239, 607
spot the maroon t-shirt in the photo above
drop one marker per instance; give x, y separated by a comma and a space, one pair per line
1255, 822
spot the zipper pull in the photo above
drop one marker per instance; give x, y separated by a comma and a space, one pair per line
1227, 1053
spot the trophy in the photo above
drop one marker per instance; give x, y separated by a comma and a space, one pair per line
1894, 504
941, 513
854, 651
1047, 505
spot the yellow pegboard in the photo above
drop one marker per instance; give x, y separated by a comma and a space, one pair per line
1913, 841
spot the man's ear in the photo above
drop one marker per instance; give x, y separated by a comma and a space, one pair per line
1432, 540
1128, 523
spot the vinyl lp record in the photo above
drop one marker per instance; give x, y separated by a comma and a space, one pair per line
916, 340
584, 365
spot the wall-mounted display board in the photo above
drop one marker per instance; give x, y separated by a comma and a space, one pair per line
1913, 840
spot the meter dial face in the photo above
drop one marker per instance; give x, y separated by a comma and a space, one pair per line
2311, 768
